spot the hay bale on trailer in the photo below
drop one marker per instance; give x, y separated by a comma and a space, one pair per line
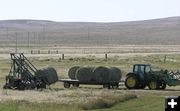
72, 72
49, 75
115, 74
102, 74
85, 74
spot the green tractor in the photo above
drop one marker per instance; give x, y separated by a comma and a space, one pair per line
143, 76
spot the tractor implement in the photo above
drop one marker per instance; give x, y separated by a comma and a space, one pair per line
24, 75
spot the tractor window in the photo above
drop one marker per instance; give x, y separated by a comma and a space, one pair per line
136, 69
148, 69
139, 69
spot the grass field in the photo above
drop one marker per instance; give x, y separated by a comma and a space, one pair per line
88, 97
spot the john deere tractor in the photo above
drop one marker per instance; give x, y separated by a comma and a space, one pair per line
143, 76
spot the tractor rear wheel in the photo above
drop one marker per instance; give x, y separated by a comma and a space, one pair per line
153, 85
131, 82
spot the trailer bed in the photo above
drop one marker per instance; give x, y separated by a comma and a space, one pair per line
76, 83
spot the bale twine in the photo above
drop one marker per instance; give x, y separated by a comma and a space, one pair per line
115, 74
85, 74
72, 72
102, 74
49, 75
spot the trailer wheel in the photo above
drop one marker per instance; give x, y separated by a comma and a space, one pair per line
105, 86
162, 85
115, 86
153, 85
75, 85
67, 85
108, 86
131, 82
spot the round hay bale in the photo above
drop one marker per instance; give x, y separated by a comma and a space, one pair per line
102, 74
48, 74
85, 74
115, 74
72, 72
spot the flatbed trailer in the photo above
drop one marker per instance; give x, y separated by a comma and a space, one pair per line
76, 83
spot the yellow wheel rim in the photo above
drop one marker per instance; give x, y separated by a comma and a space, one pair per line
131, 82
153, 85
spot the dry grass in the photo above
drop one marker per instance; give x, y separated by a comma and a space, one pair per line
83, 98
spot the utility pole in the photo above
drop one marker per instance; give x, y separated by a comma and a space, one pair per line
28, 39
39, 41
44, 34
34, 39
7, 33
88, 33
16, 42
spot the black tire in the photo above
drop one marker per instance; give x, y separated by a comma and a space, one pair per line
162, 85
105, 85
76, 85
6, 86
153, 85
43, 85
131, 82
108, 86
67, 85
21, 86
115, 86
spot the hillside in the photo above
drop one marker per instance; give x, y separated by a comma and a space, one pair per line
164, 31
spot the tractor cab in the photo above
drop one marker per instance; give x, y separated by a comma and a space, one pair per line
141, 70
139, 77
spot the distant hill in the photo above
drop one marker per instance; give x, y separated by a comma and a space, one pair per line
164, 31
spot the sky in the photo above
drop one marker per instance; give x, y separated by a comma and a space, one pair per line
88, 10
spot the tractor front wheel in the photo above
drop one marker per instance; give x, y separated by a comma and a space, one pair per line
131, 82
162, 85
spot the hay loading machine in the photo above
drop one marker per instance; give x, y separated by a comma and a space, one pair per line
24, 75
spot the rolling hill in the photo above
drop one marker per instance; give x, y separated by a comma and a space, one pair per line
165, 31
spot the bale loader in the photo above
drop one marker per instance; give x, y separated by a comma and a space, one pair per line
24, 75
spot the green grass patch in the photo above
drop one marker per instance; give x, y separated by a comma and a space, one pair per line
106, 102
145, 103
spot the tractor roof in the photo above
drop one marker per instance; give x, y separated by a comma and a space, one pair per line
143, 64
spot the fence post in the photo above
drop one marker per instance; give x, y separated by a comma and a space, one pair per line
62, 56
106, 56
165, 57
